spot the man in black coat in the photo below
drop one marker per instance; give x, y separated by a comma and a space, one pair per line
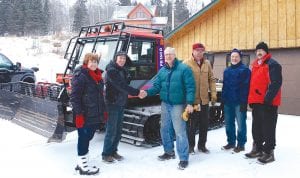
116, 94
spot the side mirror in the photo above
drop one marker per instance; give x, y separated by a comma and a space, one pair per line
35, 69
17, 66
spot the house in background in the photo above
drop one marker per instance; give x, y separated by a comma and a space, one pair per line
139, 15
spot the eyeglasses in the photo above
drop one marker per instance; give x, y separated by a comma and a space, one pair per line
169, 54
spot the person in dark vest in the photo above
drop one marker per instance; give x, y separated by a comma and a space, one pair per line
236, 79
88, 107
264, 99
116, 95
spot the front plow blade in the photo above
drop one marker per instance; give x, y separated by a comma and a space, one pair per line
23, 104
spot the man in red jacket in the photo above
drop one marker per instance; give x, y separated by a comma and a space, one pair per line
264, 99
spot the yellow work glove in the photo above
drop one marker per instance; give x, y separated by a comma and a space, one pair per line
213, 99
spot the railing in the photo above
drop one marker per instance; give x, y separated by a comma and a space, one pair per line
48, 91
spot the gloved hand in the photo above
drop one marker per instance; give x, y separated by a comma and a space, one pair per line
79, 121
213, 99
185, 115
243, 107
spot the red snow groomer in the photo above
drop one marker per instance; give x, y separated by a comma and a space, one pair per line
51, 114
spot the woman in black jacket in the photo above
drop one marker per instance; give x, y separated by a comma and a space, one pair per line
88, 108
116, 93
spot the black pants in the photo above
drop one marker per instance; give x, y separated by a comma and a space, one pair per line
264, 126
198, 120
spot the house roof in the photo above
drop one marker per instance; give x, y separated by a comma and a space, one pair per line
191, 19
121, 12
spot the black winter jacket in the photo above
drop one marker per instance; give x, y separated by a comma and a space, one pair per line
87, 97
117, 85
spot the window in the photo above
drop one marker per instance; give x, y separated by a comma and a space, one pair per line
140, 14
4, 62
142, 56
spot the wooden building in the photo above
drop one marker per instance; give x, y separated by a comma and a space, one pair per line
139, 15
226, 24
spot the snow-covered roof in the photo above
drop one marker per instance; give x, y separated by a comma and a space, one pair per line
160, 20
121, 12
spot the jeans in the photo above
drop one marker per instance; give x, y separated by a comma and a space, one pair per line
264, 126
113, 129
198, 121
171, 121
232, 113
85, 135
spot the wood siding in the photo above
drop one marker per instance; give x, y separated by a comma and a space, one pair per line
241, 24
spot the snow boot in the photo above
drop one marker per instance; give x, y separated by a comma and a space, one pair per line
166, 156
84, 168
254, 153
238, 149
117, 157
183, 164
227, 147
267, 157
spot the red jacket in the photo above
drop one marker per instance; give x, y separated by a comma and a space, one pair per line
266, 81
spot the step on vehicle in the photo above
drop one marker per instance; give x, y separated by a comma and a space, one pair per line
144, 46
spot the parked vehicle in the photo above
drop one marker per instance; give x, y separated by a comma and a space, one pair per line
10, 72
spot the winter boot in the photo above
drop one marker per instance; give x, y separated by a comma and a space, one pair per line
166, 156
254, 153
117, 157
203, 149
238, 149
267, 157
227, 147
84, 168
183, 164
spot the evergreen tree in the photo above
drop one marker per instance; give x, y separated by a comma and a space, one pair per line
16, 26
167, 12
125, 3
181, 12
6, 10
46, 20
33, 17
80, 15
158, 3
134, 3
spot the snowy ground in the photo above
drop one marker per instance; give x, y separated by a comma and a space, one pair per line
25, 154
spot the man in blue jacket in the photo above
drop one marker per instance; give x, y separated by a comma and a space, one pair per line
235, 91
176, 87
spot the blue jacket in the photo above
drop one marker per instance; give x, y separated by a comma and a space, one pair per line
236, 81
175, 85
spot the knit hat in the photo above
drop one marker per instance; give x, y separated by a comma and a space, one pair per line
122, 53
235, 50
198, 45
262, 45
